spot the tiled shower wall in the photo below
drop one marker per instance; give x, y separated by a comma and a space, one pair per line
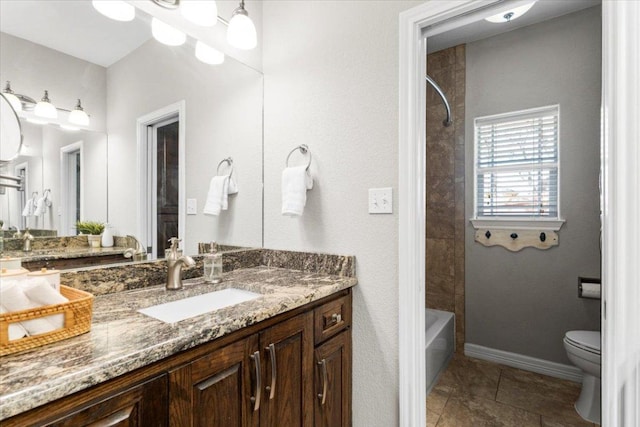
445, 188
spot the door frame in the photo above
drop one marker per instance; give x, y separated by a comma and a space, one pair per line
144, 215
65, 226
620, 201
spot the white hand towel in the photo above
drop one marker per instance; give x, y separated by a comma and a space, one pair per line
12, 298
16, 330
295, 183
41, 207
39, 291
28, 208
218, 197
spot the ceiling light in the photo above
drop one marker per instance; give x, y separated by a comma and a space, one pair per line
45, 108
510, 14
78, 116
200, 12
13, 100
208, 55
115, 9
241, 32
166, 34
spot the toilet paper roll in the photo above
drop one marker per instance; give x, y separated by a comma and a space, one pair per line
590, 290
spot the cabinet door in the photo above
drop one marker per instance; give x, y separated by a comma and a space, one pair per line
218, 389
333, 382
143, 405
288, 373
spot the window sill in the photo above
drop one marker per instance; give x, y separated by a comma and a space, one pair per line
517, 224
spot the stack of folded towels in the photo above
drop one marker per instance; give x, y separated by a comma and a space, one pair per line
220, 188
17, 295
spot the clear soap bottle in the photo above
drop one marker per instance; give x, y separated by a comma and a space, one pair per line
213, 265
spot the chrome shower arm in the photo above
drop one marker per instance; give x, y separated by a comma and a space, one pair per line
447, 122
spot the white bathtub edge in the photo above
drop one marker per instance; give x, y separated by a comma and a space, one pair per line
527, 363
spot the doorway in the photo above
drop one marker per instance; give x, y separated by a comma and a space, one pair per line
71, 171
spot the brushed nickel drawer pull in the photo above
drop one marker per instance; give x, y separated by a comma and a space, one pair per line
256, 400
325, 381
274, 371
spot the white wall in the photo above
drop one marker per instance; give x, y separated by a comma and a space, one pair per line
331, 81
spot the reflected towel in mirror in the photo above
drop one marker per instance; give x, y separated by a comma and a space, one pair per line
220, 188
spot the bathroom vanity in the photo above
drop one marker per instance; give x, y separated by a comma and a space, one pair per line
281, 359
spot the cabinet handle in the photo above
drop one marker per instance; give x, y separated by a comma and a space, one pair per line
325, 381
335, 318
256, 399
274, 371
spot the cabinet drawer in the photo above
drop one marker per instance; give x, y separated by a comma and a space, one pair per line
331, 318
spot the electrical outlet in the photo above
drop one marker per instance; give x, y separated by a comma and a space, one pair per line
381, 200
192, 206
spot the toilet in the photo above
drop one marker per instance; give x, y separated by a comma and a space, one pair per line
583, 349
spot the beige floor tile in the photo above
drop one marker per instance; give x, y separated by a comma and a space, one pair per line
547, 422
550, 397
472, 377
432, 419
474, 411
437, 399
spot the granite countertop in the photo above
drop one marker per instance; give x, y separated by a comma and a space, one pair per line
64, 253
122, 340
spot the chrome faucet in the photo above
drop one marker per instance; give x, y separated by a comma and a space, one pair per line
175, 261
27, 238
136, 254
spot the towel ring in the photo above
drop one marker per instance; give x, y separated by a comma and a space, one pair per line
304, 149
229, 161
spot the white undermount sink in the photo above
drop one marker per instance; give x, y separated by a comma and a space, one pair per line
186, 308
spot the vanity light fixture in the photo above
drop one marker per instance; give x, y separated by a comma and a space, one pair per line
241, 32
71, 128
199, 12
44, 108
510, 14
115, 9
78, 116
166, 34
208, 55
12, 98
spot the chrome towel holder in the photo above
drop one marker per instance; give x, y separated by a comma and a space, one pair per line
229, 161
304, 149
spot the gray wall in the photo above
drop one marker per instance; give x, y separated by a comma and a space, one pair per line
524, 302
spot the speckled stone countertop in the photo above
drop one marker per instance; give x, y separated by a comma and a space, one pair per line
122, 340
64, 253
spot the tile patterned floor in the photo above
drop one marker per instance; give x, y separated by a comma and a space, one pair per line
475, 393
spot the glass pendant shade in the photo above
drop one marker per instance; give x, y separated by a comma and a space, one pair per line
13, 100
200, 12
510, 14
45, 108
241, 32
166, 34
78, 116
208, 55
115, 9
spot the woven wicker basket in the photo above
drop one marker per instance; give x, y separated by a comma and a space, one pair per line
77, 320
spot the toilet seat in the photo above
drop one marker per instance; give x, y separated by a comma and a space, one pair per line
585, 340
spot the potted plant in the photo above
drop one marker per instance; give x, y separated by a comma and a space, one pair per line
92, 229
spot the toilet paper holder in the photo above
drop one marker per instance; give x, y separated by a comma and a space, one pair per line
589, 288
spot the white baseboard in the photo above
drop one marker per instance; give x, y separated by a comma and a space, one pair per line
527, 363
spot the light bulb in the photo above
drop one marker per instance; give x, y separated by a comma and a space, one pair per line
510, 14
45, 108
166, 34
78, 116
13, 100
200, 12
241, 32
208, 55
115, 9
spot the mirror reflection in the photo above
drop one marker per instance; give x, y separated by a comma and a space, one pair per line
160, 122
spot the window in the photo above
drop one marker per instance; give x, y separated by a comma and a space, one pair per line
517, 168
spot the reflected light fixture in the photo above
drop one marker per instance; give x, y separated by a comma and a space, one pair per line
13, 100
67, 127
510, 14
200, 12
78, 116
208, 55
241, 32
45, 108
115, 9
166, 34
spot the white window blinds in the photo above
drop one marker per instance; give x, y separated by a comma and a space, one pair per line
516, 166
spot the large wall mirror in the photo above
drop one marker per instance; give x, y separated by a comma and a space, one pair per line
160, 123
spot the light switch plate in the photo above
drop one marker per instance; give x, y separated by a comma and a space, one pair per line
192, 206
381, 200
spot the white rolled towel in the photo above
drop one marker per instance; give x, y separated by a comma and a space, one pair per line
12, 298
295, 183
16, 330
39, 291
220, 188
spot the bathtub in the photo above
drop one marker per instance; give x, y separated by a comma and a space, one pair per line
440, 343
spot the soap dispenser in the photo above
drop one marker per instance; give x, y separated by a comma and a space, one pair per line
213, 265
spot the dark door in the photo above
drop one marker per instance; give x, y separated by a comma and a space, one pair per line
167, 185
